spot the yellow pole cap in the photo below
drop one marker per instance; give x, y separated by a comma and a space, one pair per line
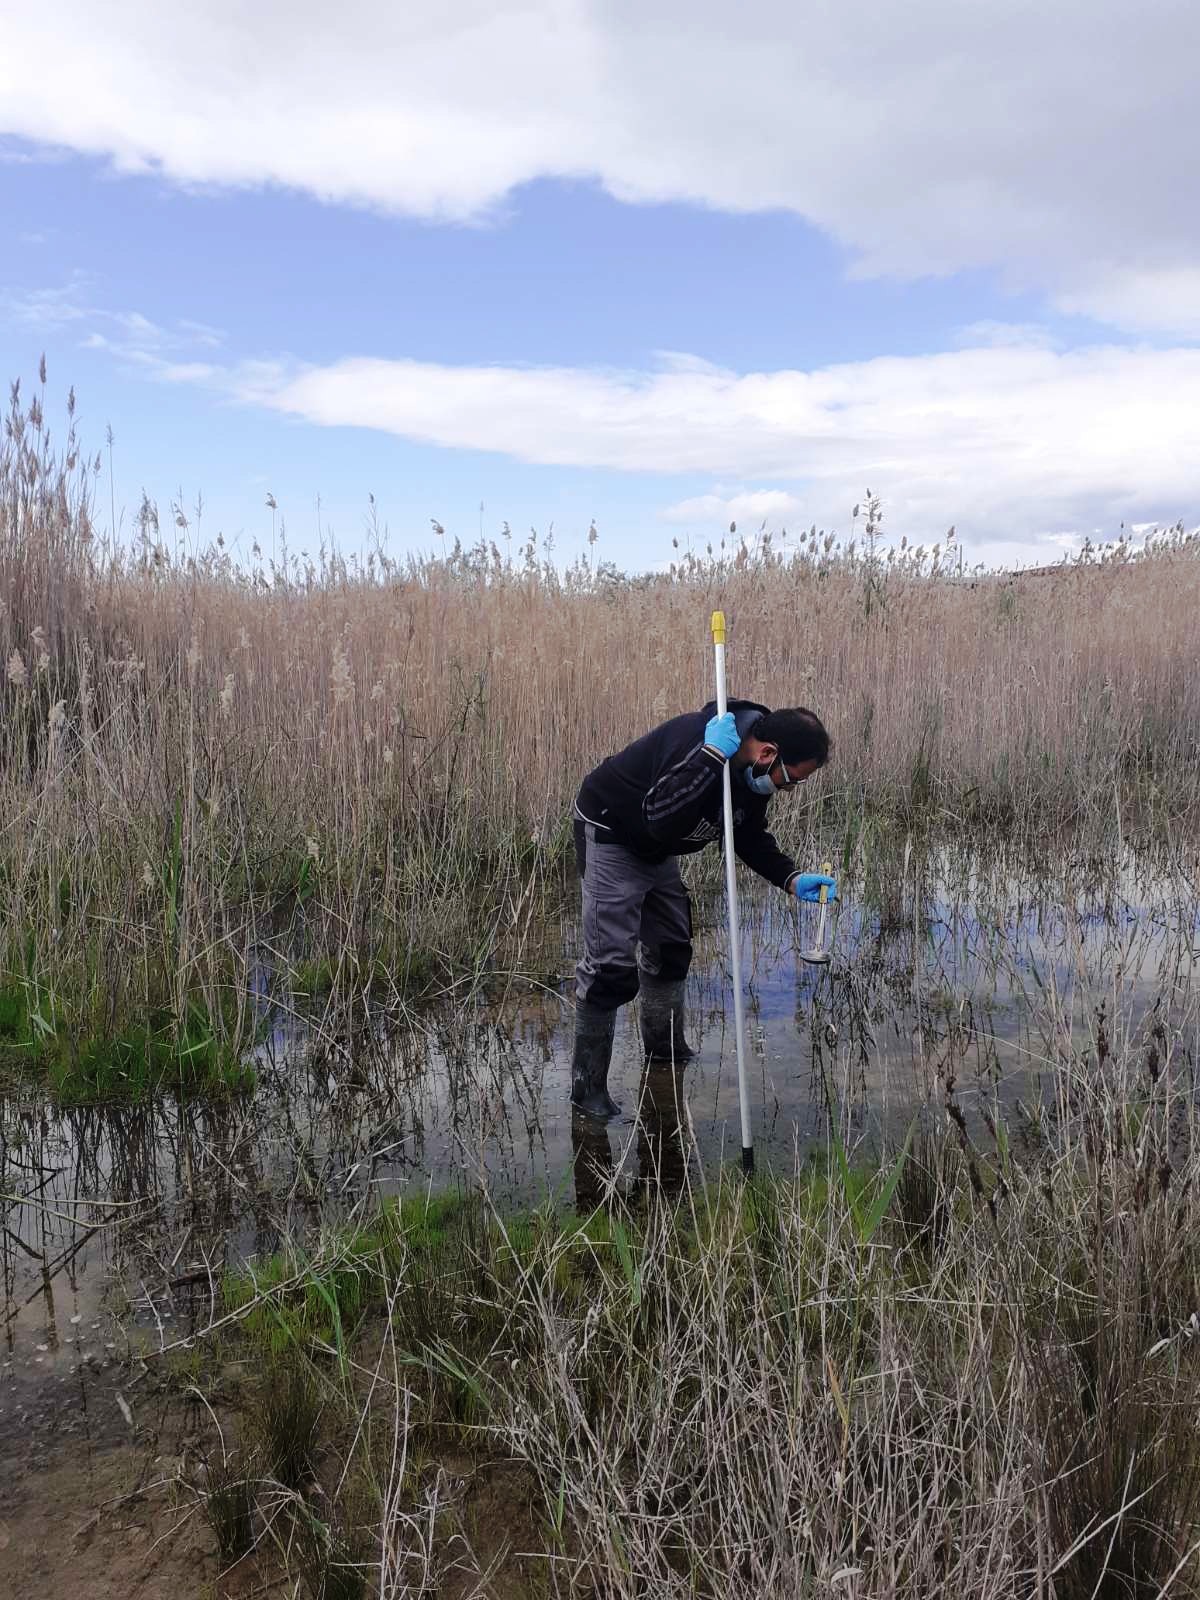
718, 627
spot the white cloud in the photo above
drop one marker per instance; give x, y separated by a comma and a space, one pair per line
1145, 299
750, 506
1019, 445
201, 332
1005, 335
12, 155
1010, 444
1055, 142
50, 308
127, 334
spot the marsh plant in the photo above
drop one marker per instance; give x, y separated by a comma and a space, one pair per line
351, 777
287, 1418
333, 1568
965, 1361
945, 1372
229, 1506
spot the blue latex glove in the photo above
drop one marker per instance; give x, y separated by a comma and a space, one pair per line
721, 734
809, 884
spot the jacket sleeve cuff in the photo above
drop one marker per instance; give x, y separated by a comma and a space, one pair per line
714, 756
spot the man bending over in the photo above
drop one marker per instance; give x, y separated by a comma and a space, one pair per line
636, 813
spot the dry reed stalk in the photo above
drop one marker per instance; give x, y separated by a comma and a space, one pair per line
748, 1394
190, 745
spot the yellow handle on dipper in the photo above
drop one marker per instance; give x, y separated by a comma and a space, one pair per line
718, 627
827, 871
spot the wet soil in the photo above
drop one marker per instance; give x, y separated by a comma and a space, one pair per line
88, 1502
99, 1483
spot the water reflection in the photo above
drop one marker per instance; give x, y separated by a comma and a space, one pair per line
592, 1162
664, 1141
662, 1146
965, 975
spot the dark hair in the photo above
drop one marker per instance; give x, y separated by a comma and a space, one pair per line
799, 735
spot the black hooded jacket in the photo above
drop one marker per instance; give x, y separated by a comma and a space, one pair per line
663, 796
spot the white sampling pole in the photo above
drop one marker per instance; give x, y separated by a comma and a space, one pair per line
735, 936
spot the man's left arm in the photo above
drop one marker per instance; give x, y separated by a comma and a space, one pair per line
754, 843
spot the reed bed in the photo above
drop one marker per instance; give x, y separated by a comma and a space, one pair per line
957, 1373
358, 772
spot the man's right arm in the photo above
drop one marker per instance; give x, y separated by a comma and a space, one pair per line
682, 796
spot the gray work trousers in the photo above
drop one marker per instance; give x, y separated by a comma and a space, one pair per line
636, 917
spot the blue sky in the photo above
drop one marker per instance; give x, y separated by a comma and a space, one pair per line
637, 298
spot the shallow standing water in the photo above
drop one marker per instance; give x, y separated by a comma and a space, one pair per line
967, 981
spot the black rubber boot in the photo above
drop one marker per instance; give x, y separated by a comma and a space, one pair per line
594, 1031
662, 1021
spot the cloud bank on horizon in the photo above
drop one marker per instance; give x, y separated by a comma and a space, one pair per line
1049, 144
1088, 437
